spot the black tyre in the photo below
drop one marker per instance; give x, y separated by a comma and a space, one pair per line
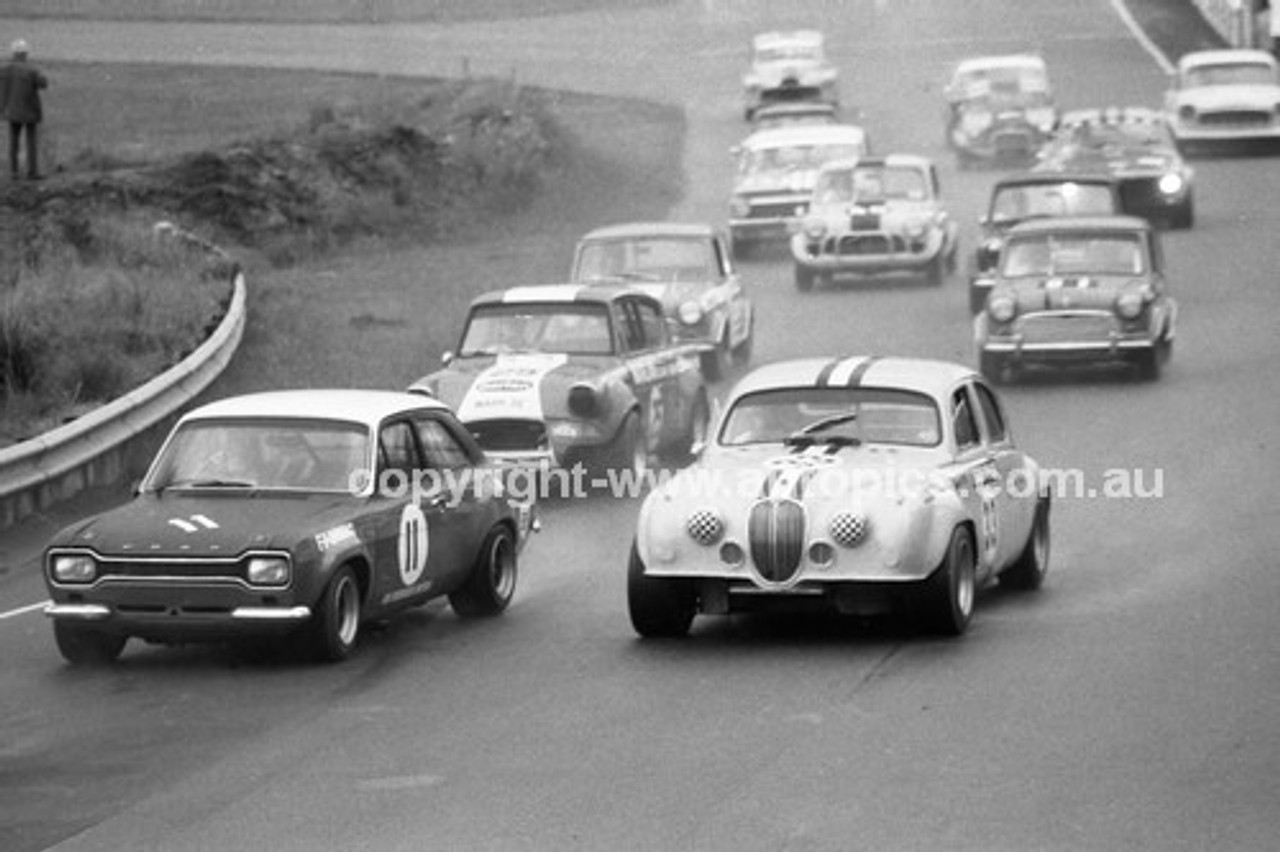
335, 625
1033, 564
948, 596
492, 582
1150, 364
85, 646
716, 363
804, 279
993, 367
742, 352
627, 451
936, 272
659, 607
1185, 216
977, 300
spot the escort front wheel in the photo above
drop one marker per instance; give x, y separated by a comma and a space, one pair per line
83, 646
335, 624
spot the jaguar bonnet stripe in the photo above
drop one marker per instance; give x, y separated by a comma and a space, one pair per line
824, 375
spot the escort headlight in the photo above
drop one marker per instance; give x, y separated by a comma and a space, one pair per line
1002, 308
1129, 304
739, 208
564, 430
815, 229
976, 121
74, 568
1171, 183
583, 402
268, 571
689, 313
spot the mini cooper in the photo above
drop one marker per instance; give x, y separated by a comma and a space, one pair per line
875, 217
774, 176
690, 269
789, 66
304, 514
1078, 290
859, 485
1134, 146
1030, 195
1000, 109
549, 376
1224, 97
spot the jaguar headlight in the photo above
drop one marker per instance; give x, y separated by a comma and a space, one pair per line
1171, 183
74, 568
268, 571
689, 313
1001, 307
1129, 304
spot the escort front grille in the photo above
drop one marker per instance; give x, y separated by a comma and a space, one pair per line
194, 570
775, 533
508, 435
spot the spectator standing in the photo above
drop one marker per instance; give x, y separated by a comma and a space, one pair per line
20, 85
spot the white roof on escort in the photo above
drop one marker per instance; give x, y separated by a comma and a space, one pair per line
368, 407
923, 375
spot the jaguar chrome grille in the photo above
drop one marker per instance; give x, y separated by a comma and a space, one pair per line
775, 533
509, 434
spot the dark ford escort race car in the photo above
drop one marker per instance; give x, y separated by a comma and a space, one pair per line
549, 376
1078, 290
305, 513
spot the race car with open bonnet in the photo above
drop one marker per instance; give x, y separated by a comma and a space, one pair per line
787, 66
857, 485
999, 109
549, 376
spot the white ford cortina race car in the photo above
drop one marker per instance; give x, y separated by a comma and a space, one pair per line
859, 485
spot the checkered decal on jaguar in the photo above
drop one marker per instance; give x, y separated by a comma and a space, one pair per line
705, 527
848, 529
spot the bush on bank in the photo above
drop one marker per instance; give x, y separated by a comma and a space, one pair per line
92, 302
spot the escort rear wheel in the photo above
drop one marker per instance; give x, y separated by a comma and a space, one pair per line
659, 607
84, 646
492, 582
335, 624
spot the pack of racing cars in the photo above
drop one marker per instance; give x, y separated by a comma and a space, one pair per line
855, 484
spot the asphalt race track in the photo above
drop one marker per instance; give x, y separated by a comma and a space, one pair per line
1129, 706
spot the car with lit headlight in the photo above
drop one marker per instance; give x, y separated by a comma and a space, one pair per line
875, 217
1133, 144
1224, 97
1082, 290
774, 173
786, 66
689, 267
857, 485
294, 514
999, 109
1033, 194
548, 377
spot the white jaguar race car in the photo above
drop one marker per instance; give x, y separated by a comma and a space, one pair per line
858, 485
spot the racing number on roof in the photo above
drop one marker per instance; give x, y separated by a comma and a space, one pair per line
411, 550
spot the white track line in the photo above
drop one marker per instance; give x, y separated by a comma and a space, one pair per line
22, 610
1147, 44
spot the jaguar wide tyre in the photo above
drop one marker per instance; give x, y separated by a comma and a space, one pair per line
1032, 566
659, 607
83, 646
335, 625
948, 596
492, 583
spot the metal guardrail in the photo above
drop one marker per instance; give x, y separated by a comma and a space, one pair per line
92, 449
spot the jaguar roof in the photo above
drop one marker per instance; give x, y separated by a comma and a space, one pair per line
925, 375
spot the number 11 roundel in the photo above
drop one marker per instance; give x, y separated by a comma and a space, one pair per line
413, 544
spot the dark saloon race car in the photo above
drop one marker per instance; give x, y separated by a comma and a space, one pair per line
1134, 146
297, 513
688, 266
1084, 290
1030, 195
547, 377
858, 485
